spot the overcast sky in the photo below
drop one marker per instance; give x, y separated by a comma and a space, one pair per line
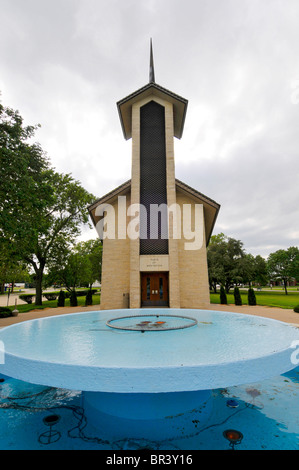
65, 64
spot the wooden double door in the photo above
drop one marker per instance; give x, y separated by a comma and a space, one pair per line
154, 289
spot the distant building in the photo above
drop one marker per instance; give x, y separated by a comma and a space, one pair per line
154, 228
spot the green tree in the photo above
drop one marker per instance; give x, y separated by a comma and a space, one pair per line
216, 250
71, 270
22, 166
260, 270
41, 211
12, 270
77, 266
225, 261
245, 268
60, 224
284, 265
92, 250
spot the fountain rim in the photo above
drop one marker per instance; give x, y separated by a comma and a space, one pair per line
149, 379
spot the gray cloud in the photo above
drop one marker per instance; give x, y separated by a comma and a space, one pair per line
66, 64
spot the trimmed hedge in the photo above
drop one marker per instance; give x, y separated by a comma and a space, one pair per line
50, 296
5, 312
80, 293
251, 297
88, 298
73, 299
27, 298
61, 299
237, 295
296, 309
223, 297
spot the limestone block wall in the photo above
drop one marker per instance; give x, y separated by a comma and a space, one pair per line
135, 288
193, 268
135, 300
115, 268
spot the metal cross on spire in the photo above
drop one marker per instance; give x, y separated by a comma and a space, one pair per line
151, 70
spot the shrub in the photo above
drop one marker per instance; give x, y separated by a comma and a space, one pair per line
5, 312
251, 297
73, 299
81, 293
27, 298
88, 298
237, 295
223, 298
61, 299
296, 309
50, 296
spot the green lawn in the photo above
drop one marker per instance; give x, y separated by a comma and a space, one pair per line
274, 298
267, 298
96, 298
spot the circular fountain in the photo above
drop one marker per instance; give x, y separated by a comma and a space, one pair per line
142, 374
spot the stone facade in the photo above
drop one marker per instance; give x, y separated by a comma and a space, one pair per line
122, 264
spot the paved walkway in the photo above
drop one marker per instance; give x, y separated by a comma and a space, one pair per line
282, 314
46, 312
285, 315
11, 299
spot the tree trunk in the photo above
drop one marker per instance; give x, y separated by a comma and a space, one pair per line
285, 286
39, 271
38, 288
227, 286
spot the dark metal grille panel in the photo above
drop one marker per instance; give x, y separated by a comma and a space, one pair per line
153, 224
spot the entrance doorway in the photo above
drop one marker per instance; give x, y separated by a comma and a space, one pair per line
154, 290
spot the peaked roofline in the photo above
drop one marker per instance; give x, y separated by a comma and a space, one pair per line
126, 187
146, 87
179, 107
111, 195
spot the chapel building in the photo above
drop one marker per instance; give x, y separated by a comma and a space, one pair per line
155, 229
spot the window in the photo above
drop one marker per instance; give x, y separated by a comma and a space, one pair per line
161, 287
148, 288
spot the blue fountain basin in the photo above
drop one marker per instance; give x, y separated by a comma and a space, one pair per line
82, 352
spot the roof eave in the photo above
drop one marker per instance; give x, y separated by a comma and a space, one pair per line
125, 187
125, 107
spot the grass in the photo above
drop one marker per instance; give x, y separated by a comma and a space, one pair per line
273, 298
264, 298
96, 298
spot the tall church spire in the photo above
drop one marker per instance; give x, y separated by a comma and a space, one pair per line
179, 104
151, 69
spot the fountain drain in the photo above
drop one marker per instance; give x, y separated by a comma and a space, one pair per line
50, 436
150, 322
